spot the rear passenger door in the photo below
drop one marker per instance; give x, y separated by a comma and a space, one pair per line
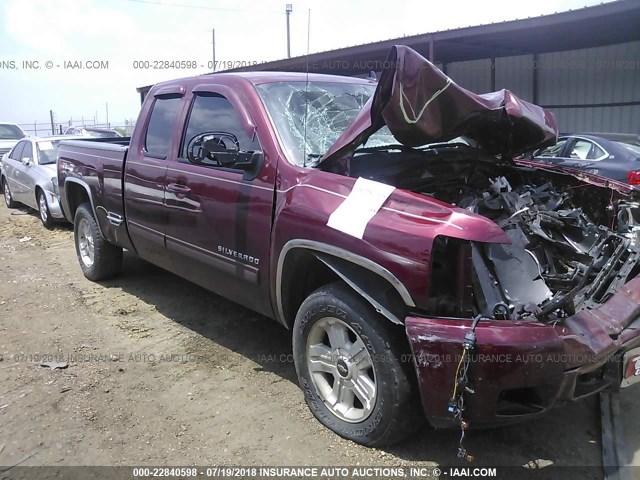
145, 174
219, 215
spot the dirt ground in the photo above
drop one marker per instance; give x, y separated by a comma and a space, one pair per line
161, 372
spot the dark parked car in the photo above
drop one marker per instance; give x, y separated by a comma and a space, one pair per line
615, 156
413, 273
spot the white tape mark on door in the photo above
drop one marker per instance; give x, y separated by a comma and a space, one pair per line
364, 201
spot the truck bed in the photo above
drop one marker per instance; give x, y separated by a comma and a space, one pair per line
91, 170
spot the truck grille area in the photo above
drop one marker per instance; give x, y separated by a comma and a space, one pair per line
559, 261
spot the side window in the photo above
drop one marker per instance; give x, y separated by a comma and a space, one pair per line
586, 150
553, 150
163, 118
214, 113
17, 151
595, 153
580, 149
28, 151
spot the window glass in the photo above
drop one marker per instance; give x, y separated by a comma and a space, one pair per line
28, 151
595, 152
634, 149
10, 132
553, 150
163, 118
586, 150
17, 151
47, 152
309, 117
214, 113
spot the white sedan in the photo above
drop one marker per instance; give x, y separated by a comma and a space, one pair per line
10, 134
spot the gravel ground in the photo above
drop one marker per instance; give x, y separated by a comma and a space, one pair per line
161, 372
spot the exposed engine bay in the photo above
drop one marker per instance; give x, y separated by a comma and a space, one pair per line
572, 244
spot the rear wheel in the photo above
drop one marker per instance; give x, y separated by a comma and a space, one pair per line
43, 208
98, 258
8, 199
352, 367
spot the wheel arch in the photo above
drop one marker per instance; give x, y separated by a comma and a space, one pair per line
37, 190
305, 265
76, 193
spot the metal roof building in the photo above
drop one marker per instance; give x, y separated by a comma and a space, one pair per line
583, 64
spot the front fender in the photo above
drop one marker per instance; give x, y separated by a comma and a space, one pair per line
399, 238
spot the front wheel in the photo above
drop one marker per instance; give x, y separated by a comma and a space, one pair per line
43, 208
98, 258
354, 369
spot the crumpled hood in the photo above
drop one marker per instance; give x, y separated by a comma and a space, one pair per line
421, 105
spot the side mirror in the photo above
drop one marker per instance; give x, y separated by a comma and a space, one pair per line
26, 161
221, 149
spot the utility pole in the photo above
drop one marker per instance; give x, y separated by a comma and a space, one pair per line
53, 129
288, 9
213, 39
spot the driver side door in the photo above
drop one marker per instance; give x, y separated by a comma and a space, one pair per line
219, 215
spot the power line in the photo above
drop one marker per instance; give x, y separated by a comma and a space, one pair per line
202, 7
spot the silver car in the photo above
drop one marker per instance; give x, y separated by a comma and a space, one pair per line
29, 176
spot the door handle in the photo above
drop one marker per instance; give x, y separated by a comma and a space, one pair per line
178, 188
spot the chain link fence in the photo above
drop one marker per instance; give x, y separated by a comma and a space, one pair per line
43, 129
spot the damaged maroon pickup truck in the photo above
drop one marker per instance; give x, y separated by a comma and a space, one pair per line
422, 271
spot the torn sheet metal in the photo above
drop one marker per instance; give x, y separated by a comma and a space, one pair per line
558, 261
364, 201
421, 105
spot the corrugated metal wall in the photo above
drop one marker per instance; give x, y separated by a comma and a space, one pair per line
474, 75
516, 74
591, 83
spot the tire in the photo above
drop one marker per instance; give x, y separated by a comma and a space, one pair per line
8, 198
43, 210
372, 406
98, 258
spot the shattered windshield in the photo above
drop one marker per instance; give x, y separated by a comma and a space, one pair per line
330, 108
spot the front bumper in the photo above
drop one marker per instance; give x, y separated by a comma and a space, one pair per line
521, 369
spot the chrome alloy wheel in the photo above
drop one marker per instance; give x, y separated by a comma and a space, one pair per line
85, 243
42, 204
341, 370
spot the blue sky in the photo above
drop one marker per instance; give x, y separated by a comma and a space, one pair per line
123, 31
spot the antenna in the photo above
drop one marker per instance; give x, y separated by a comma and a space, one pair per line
306, 94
